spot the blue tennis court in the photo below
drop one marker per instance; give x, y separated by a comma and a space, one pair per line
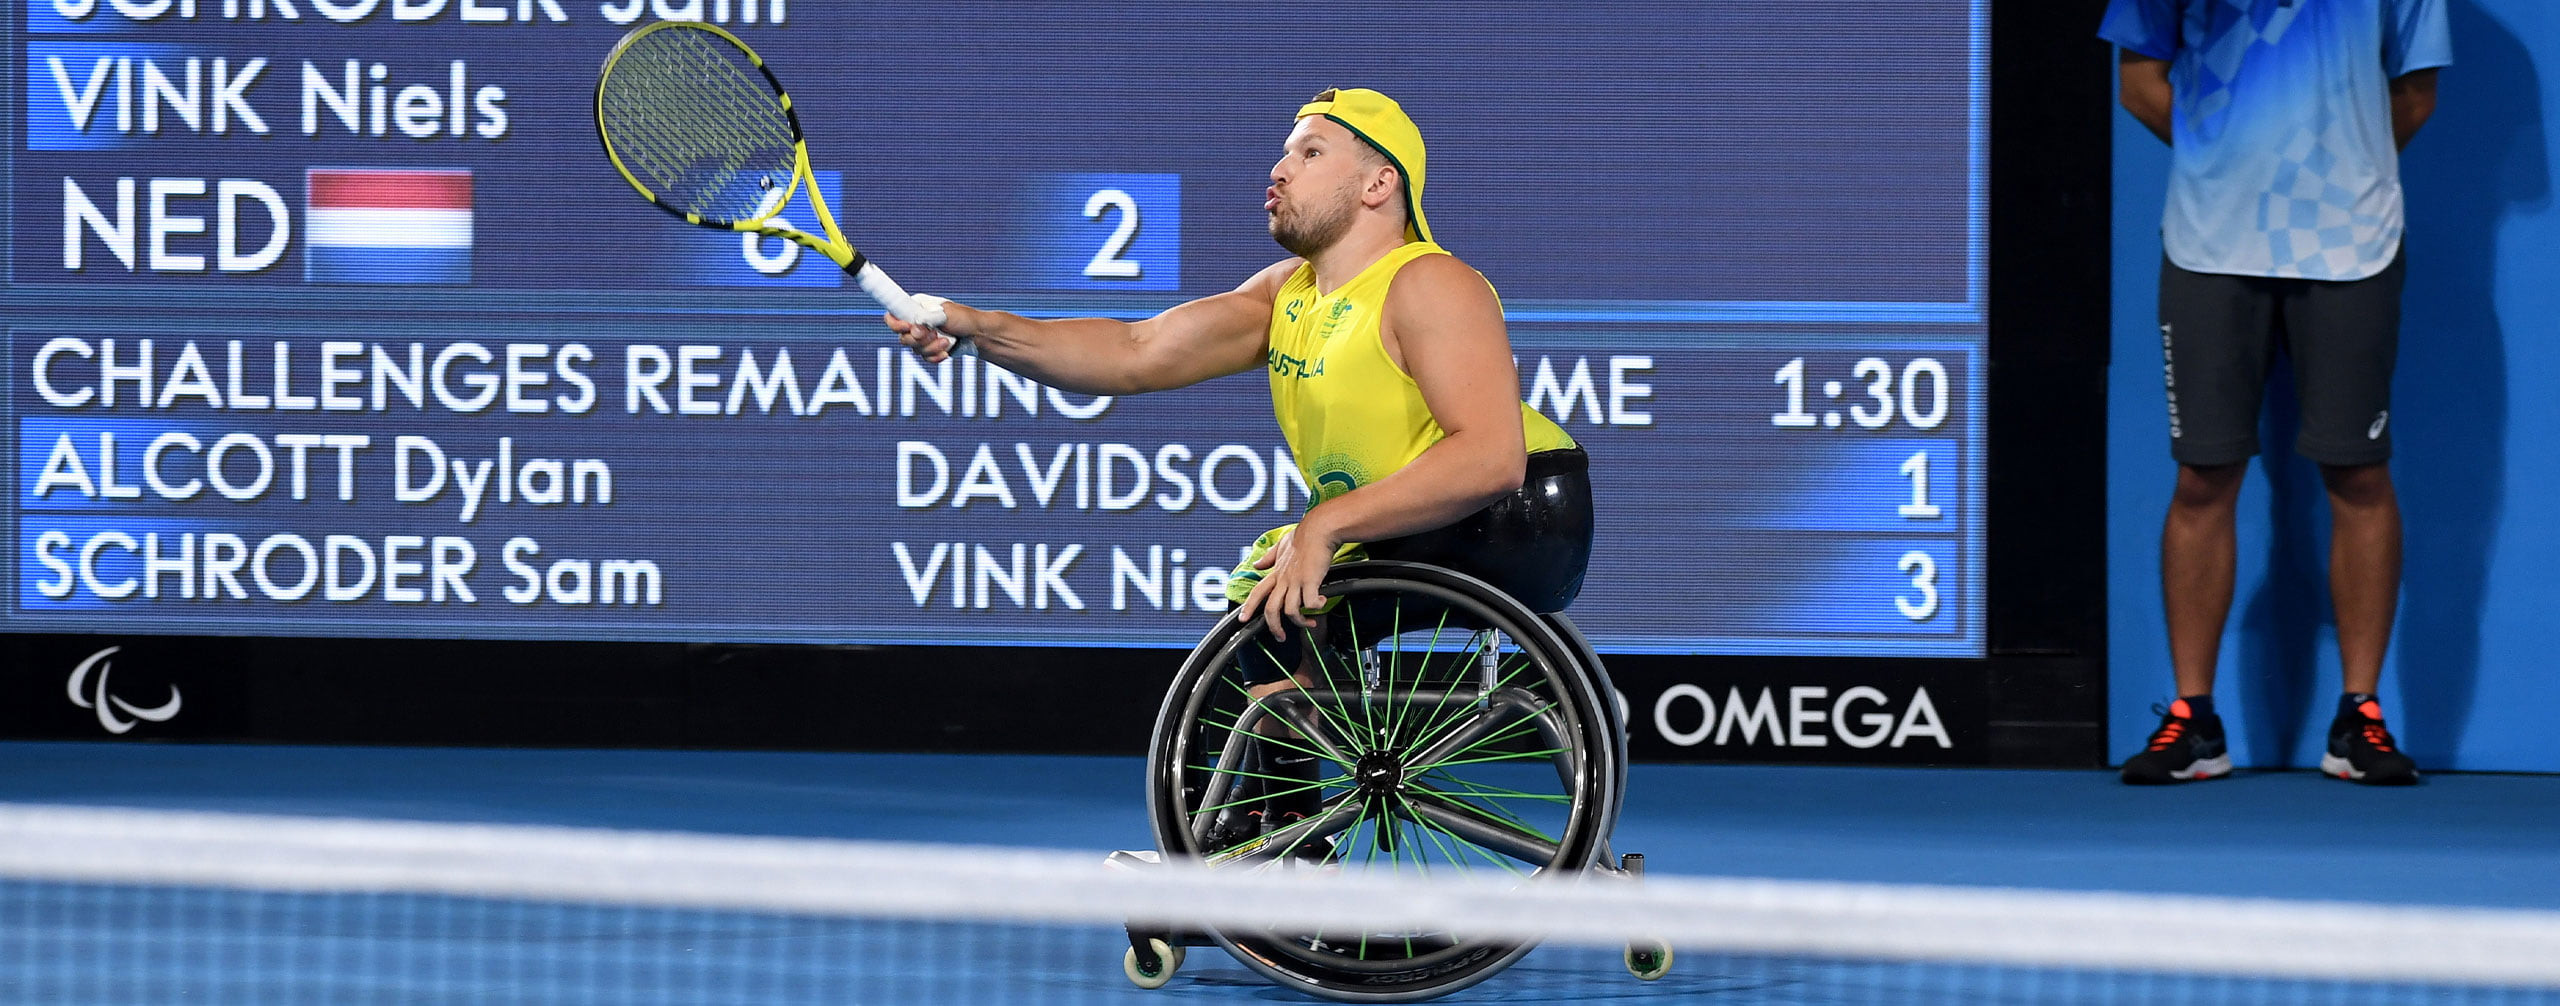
2474, 840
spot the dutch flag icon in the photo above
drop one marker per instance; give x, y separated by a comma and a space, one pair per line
387, 225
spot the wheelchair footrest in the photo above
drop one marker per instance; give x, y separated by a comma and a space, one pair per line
1148, 859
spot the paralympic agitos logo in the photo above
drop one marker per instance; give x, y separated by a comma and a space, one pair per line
90, 692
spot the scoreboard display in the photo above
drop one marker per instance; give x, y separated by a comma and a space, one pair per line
330, 318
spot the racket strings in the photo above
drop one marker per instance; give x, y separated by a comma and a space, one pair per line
687, 113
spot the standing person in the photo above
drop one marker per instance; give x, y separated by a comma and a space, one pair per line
2282, 234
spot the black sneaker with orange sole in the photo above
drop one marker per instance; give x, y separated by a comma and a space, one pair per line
2186, 748
2361, 749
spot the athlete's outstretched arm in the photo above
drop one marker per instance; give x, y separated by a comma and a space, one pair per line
1446, 325
1189, 343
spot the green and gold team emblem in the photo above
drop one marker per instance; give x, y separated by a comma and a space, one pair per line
1336, 475
1333, 319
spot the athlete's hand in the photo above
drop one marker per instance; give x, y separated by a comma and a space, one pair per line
1295, 572
934, 345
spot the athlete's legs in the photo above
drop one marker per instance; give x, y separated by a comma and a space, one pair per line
1282, 772
2346, 344
2364, 567
2198, 548
1311, 643
2345, 338
2217, 337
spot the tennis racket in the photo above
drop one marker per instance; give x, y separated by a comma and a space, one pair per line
697, 122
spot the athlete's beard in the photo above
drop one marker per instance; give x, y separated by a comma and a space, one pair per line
1307, 232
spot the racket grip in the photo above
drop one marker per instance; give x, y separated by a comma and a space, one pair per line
908, 307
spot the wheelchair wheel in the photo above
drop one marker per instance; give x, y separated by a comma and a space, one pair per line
1452, 732
1610, 705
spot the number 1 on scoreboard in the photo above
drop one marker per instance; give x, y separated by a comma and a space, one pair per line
1916, 468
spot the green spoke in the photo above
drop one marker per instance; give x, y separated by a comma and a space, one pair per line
1260, 707
1451, 719
1407, 846
1341, 851
1523, 826
1325, 667
1340, 780
1499, 815
1351, 619
1395, 845
1256, 706
1505, 813
1344, 781
1527, 725
1433, 833
1519, 756
1471, 846
1485, 789
1396, 723
1238, 727
1404, 841
1368, 862
1520, 664
1395, 657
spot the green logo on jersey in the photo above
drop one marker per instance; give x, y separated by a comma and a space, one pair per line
1337, 474
1285, 365
1341, 309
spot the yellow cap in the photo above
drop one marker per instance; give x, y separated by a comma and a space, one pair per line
1377, 120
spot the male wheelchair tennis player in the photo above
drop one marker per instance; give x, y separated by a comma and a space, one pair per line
1397, 690
1441, 716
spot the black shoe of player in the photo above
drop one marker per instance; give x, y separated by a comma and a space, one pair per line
1314, 850
2361, 749
2185, 748
1232, 830
1252, 833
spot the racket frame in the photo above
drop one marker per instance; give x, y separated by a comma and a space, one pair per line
834, 245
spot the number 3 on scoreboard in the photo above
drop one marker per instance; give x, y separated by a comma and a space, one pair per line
1924, 578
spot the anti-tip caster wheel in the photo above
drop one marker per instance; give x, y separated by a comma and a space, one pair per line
1167, 959
1648, 961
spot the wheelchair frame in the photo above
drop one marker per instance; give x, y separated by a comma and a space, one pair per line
1398, 744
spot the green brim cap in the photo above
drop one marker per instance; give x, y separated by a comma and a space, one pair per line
1381, 123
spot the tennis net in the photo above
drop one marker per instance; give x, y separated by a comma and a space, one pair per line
124, 906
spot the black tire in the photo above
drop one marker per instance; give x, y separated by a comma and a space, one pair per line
1416, 758
1607, 691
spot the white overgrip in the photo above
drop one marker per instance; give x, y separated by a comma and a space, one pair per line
913, 309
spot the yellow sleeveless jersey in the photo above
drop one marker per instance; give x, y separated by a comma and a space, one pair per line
1350, 414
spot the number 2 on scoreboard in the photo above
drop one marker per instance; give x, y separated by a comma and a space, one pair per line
1107, 263
1104, 231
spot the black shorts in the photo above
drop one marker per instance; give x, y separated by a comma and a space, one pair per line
1533, 543
2220, 333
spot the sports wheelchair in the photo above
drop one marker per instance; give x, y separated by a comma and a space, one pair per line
1441, 724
